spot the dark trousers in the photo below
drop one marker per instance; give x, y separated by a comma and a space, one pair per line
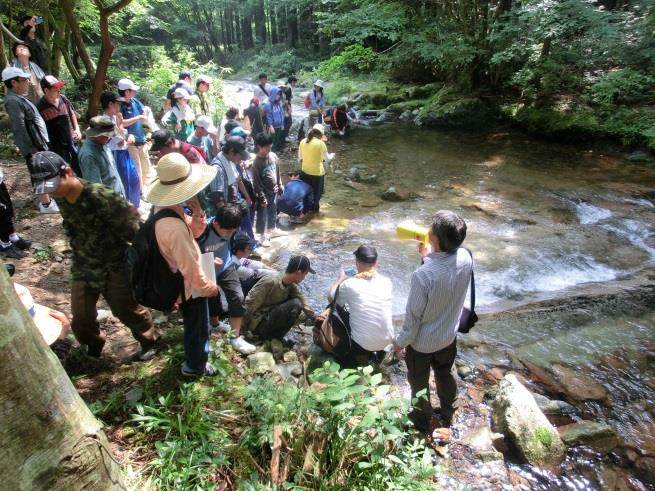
68, 152
288, 121
229, 282
6, 214
278, 321
118, 294
418, 375
278, 139
266, 216
318, 186
195, 317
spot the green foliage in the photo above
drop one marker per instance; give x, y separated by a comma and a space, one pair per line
449, 108
352, 59
544, 436
342, 432
278, 62
622, 87
44, 255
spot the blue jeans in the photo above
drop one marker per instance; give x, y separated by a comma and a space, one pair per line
266, 217
195, 317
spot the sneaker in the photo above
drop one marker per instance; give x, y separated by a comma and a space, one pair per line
278, 232
209, 371
23, 244
148, 354
265, 242
48, 209
222, 326
242, 346
12, 252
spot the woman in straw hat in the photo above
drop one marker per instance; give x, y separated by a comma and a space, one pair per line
176, 185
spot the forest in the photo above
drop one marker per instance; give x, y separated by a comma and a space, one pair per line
576, 68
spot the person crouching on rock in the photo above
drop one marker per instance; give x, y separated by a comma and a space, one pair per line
275, 302
297, 198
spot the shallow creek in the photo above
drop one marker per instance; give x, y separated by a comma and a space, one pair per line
546, 222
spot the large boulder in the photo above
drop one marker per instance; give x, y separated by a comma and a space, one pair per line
558, 412
528, 430
578, 385
449, 109
261, 362
600, 437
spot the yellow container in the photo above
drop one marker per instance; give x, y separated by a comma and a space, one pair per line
412, 231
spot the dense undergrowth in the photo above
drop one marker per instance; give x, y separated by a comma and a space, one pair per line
338, 430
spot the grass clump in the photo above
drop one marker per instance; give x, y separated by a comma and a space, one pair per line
544, 436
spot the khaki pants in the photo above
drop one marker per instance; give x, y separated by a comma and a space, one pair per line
141, 160
119, 296
418, 375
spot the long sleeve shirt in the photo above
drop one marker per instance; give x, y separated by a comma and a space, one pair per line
434, 305
98, 165
266, 294
30, 132
178, 246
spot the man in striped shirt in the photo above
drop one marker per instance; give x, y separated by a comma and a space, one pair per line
429, 334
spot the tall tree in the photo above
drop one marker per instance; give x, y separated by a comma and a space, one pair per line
106, 50
67, 8
48, 438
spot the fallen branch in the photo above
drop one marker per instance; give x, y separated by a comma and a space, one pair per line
9, 33
275, 457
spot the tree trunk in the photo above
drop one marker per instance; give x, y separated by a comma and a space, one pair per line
292, 27
260, 23
48, 438
67, 8
106, 50
273, 23
246, 31
3, 53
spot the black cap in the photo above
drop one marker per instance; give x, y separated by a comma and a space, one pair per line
241, 241
299, 263
159, 139
237, 144
184, 74
366, 254
47, 167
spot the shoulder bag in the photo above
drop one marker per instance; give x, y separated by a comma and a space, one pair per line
332, 329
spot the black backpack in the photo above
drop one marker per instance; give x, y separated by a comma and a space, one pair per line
153, 283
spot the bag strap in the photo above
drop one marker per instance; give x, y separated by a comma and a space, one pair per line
472, 280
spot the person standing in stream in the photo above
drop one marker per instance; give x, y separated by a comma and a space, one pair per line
275, 117
312, 152
263, 89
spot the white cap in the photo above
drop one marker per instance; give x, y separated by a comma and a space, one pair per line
127, 84
204, 78
181, 93
13, 72
320, 84
206, 122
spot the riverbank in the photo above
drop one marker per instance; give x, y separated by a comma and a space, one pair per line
561, 118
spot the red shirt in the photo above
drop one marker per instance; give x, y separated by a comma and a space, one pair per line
193, 154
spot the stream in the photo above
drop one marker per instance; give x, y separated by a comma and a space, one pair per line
547, 223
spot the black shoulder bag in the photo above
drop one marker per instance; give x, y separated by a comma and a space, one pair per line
468, 318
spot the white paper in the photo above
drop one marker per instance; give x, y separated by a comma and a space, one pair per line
207, 266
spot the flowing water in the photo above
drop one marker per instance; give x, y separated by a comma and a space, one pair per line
544, 220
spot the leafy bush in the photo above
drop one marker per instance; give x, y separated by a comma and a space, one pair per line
343, 432
278, 62
622, 87
354, 58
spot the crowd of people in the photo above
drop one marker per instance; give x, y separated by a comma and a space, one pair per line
210, 195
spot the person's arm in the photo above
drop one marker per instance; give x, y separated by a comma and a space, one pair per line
342, 277
268, 109
244, 191
77, 134
294, 292
169, 119
257, 178
217, 187
416, 303
21, 136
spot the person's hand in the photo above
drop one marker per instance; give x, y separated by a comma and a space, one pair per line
342, 276
248, 201
218, 262
77, 135
398, 350
272, 130
130, 139
263, 202
423, 249
143, 117
178, 127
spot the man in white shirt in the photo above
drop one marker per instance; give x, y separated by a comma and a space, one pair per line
263, 89
434, 305
366, 294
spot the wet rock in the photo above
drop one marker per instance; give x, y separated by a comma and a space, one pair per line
277, 348
287, 370
406, 116
37, 246
372, 179
481, 441
316, 357
449, 109
386, 117
598, 436
57, 268
558, 412
353, 173
646, 469
370, 113
639, 157
134, 395
392, 194
464, 371
578, 385
103, 315
517, 415
357, 186
290, 356
540, 375
261, 363
338, 172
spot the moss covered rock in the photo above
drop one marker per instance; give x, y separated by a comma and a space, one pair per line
401, 107
449, 109
598, 436
423, 91
517, 415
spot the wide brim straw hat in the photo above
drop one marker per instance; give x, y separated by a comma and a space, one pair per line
49, 327
178, 180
